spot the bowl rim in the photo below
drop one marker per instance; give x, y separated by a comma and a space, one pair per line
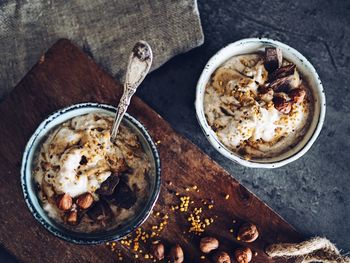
209, 133
109, 236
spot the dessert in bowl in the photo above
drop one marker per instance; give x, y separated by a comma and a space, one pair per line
80, 185
260, 103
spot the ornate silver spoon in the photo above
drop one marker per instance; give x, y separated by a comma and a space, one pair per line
140, 62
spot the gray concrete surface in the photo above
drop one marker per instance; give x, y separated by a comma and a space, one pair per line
313, 192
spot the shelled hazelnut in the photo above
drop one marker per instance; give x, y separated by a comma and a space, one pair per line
157, 250
72, 218
176, 254
282, 105
297, 95
248, 232
243, 255
64, 202
208, 244
222, 257
84, 201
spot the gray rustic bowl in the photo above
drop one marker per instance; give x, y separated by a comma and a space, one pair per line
28, 185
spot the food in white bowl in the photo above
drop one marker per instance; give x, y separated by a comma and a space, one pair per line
87, 182
258, 104
265, 136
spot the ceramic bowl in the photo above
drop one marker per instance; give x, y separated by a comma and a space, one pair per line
251, 45
28, 184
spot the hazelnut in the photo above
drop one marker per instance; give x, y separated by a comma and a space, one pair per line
248, 232
157, 250
208, 244
84, 201
282, 105
243, 255
64, 202
297, 95
222, 257
176, 254
72, 218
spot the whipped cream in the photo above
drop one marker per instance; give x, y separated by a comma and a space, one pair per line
246, 121
78, 156
75, 157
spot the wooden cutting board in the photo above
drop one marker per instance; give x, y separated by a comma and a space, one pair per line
64, 76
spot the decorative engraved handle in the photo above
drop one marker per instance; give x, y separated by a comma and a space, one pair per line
140, 62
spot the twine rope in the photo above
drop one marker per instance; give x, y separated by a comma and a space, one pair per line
317, 249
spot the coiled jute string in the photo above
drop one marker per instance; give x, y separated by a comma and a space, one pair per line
317, 249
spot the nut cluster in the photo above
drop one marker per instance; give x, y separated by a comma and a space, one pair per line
65, 203
283, 88
248, 232
176, 254
208, 245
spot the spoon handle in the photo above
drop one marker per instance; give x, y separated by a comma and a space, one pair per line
140, 62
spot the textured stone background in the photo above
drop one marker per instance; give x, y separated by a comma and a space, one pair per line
313, 192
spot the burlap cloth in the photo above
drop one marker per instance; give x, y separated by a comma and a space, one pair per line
317, 249
105, 29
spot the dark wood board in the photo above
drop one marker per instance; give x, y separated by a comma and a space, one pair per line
64, 76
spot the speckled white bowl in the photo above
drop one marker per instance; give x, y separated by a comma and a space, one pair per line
251, 45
